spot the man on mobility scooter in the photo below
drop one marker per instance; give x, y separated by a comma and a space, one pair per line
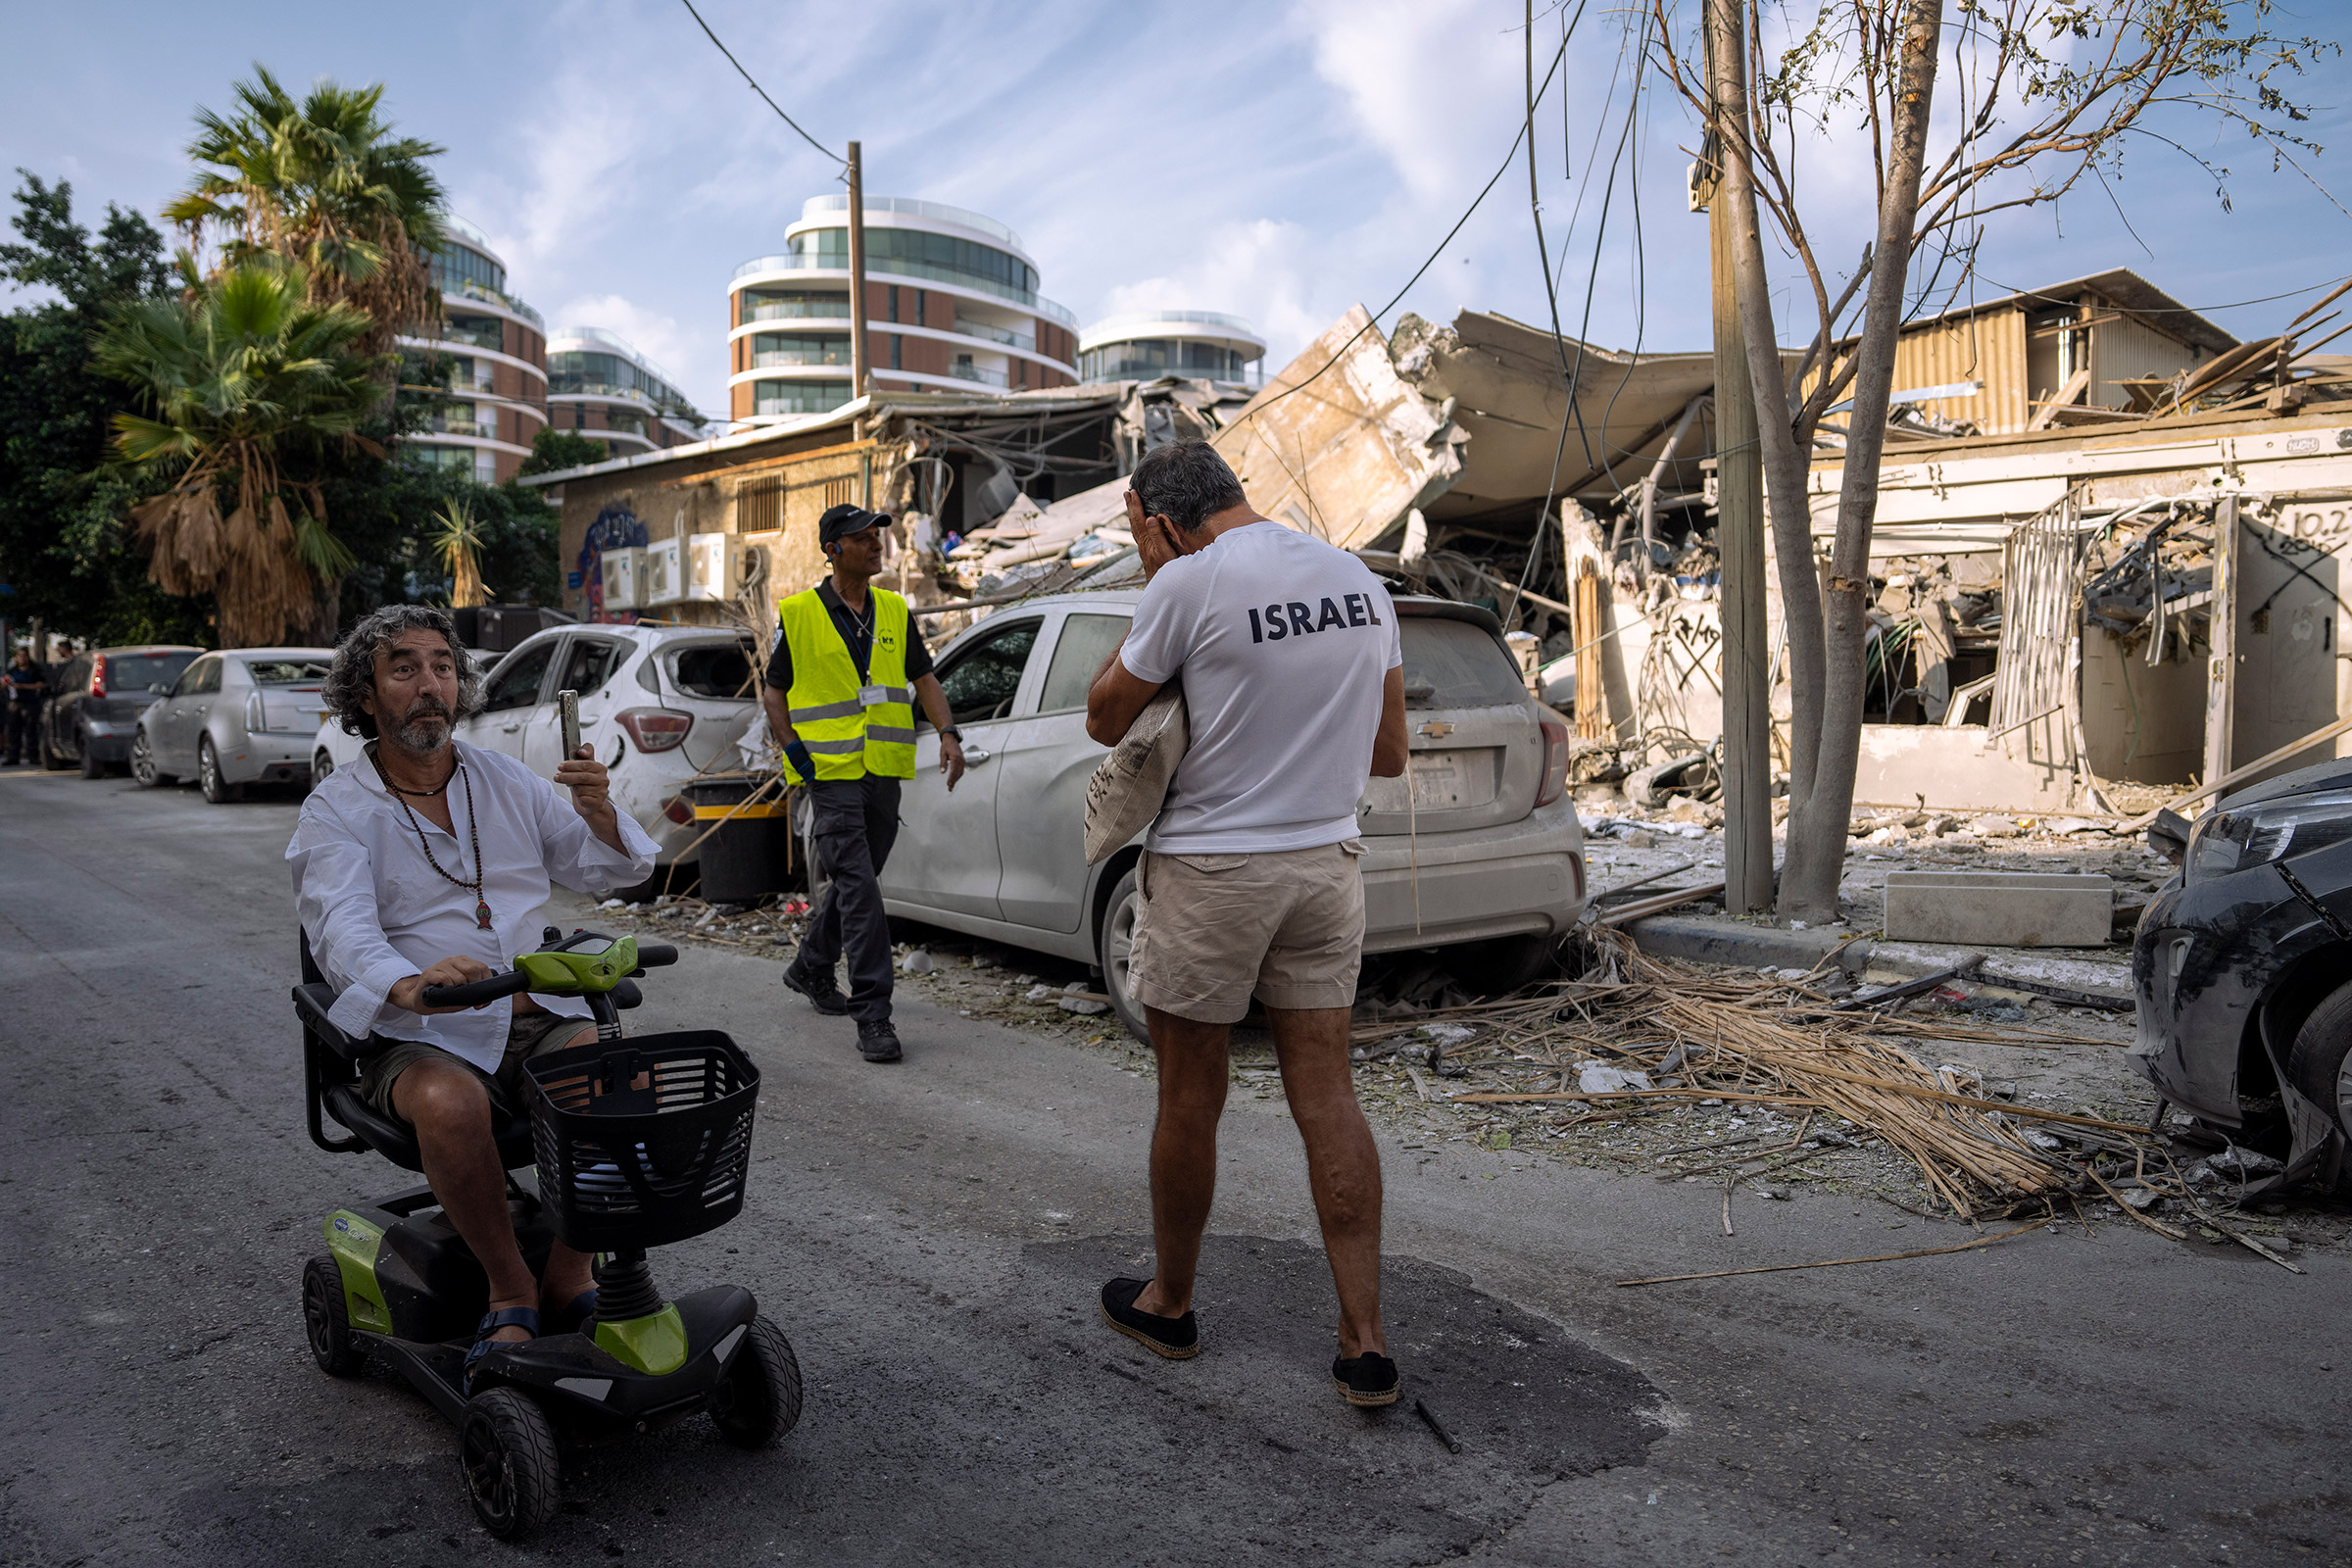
429, 866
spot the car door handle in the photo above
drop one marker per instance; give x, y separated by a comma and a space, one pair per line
509, 729
974, 755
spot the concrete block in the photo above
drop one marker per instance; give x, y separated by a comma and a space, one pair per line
1704, 940
1999, 909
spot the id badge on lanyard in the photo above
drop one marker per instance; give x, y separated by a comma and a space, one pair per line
872, 696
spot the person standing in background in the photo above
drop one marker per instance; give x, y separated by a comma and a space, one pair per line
28, 682
839, 694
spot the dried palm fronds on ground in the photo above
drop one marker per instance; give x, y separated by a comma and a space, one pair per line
1696, 1034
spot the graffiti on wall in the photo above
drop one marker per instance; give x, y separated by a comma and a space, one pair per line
615, 529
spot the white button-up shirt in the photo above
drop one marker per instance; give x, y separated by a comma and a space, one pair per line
376, 912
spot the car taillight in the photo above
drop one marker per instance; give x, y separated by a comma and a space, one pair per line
678, 809
98, 676
657, 729
1555, 762
253, 713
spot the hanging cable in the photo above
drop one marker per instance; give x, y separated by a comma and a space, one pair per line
762, 91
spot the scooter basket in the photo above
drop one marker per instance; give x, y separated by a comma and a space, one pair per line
645, 1140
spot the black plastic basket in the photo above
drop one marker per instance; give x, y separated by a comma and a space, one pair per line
628, 1166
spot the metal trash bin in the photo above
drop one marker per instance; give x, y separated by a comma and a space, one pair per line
750, 853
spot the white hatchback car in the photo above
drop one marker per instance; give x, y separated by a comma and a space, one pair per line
659, 703
1484, 861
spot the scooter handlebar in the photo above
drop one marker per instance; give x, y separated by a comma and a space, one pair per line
654, 954
474, 993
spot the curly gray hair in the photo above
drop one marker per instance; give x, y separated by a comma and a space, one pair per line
352, 676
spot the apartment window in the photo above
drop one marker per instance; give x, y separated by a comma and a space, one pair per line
897, 343
894, 305
918, 306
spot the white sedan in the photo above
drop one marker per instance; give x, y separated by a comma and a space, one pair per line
659, 703
1484, 861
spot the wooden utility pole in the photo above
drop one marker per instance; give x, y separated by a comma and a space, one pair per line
1739, 519
858, 386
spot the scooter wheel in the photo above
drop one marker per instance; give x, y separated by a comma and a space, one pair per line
513, 1474
326, 1321
760, 1399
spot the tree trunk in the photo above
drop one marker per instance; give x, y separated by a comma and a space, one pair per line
1816, 858
1785, 467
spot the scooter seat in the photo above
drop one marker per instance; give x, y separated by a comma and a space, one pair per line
396, 1139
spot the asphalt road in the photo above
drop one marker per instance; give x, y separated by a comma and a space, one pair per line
931, 1236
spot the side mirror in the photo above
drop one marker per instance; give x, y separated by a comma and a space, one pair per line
159, 688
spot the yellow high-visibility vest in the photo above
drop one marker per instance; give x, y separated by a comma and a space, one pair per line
851, 727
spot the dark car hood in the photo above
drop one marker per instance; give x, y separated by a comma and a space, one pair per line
2334, 773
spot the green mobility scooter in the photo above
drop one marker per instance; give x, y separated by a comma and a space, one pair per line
639, 1143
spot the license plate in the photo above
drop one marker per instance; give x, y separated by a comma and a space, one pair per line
1438, 781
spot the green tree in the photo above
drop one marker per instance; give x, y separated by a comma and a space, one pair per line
553, 449
245, 380
323, 183
62, 547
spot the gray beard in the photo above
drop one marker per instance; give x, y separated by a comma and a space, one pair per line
422, 735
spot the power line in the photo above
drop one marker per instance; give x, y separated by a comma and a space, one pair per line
1501, 169
756, 87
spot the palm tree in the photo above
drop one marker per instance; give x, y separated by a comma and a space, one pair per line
457, 538
323, 183
246, 374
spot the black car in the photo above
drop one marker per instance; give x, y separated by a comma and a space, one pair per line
95, 700
2243, 969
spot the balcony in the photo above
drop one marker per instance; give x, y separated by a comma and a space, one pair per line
784, 359
920, 271
461, 424
800, 310
977, 373
997, 334
467, 288
486, 336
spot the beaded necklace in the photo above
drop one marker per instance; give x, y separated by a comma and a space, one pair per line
481, 905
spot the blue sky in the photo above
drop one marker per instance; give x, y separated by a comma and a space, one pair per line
1281, 161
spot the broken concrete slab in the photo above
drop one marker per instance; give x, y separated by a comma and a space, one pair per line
1701, 940
2000, 908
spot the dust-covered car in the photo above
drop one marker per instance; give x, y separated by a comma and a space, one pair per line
2242, 967
659, 703
95, 700
1484, 861
233, 718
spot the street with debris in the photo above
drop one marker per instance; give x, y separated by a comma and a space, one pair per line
2079, 1389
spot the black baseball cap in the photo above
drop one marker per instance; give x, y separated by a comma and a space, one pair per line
839, 523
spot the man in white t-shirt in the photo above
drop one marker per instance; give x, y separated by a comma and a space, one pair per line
1293, 682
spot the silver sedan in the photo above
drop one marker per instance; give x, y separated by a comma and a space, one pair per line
233, 718
1484, 861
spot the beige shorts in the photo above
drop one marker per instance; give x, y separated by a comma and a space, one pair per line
1214, 930
528, 1034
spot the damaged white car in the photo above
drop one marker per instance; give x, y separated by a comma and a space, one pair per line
1484, 861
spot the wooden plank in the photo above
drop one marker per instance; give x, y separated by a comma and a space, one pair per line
2221, 670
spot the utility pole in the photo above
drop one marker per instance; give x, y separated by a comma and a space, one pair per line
1739, 517
857, 387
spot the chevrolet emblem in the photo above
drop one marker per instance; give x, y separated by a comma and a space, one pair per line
1437, 729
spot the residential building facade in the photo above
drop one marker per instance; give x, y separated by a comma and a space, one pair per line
491, 356
1144, 345
950, 306
600, 387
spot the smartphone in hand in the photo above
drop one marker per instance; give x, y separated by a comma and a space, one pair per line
568, 705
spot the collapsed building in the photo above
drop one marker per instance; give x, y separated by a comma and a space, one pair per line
2106, 549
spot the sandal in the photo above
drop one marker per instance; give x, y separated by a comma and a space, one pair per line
574, 1318
524, 1317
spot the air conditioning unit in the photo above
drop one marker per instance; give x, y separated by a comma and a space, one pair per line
665, 579
706, 566
625, 570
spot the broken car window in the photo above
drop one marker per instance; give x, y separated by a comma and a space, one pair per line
1086, 642
712, 669
981, 682
1453, 664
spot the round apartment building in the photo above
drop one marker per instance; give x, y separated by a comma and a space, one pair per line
950, 306
493, 350
1144, 345
597, 385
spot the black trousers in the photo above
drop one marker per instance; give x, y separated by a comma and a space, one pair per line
24, 736
854, 822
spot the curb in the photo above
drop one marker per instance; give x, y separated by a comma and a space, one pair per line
1700, 939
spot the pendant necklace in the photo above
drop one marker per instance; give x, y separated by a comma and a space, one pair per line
481, 904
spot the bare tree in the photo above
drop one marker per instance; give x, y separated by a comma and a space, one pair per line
2052, 94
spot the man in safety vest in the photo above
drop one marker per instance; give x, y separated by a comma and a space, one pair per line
840, 699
